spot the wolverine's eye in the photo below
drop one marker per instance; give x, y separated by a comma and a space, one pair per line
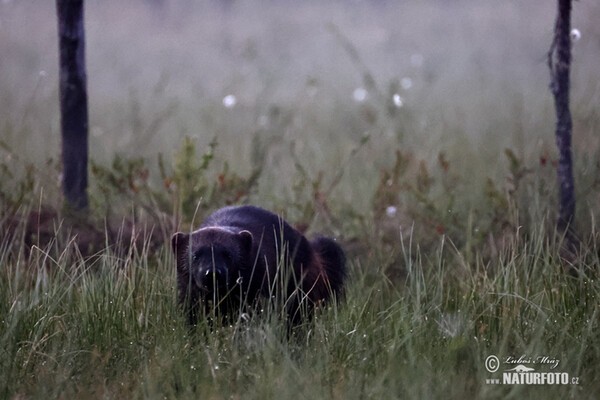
197, 255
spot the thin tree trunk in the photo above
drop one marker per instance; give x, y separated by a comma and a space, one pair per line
73, 103
559, 59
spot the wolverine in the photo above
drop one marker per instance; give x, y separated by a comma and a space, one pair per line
241, 254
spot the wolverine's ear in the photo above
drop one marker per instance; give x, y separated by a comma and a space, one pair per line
246, 241
179, 242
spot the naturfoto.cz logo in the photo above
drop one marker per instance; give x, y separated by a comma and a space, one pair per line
523, 370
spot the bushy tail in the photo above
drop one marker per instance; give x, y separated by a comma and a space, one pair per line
334, 262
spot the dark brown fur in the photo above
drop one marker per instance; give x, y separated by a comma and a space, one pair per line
240, 254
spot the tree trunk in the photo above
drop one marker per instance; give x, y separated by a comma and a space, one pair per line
73, 103
559, 59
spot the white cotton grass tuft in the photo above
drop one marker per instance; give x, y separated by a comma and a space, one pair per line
229, 101
406, 83
359, 94
398, 100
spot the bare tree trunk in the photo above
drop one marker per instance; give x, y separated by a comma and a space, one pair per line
73, 103
559, 59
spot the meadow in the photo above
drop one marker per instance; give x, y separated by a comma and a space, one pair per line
419, 133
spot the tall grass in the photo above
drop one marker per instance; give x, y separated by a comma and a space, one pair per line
445, 205
110, 327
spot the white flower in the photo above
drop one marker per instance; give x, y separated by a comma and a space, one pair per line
359, 94
575, 35
406, 83
398, 101
229, 101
